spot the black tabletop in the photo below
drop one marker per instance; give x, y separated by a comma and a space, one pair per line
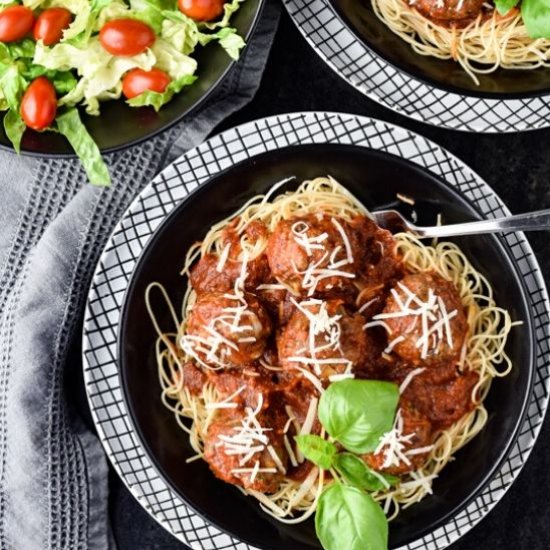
517, 166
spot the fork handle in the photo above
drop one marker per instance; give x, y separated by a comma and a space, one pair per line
531, 221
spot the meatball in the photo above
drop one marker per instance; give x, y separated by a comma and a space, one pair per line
444, 401
379, 265
448, 10
205, 277
415, 434
426, 320
244, 384
324, 338
223, 331
246, 448
310, 255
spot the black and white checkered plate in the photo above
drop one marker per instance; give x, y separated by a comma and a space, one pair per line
162, 195
397, 90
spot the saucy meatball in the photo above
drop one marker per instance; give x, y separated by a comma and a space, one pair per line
224, 331
310, 255
205, 277
212, 273
226, 450
324, 338
426, 320
416, 434
379, 265
443, 401
448, 10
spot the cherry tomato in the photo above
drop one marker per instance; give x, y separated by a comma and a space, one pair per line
201, 10
50, 25
39, 104
126, 37
15, 23
137, 81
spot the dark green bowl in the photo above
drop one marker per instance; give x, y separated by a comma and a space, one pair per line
120, 126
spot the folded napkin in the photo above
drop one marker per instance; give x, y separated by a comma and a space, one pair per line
53, 226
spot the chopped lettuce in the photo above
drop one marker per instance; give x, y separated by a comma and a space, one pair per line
12, 85
157, 99
229, 9
81, 10
100, 72
184, 34
180, 31
84, 73
150, 11
14, 127
172, 61
70, 125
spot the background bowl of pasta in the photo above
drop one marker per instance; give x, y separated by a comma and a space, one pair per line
376, 179
444, 53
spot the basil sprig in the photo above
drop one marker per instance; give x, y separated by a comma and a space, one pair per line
349, 518
356, 414
535, 15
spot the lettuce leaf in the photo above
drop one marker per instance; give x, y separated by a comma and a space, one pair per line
180, 31
172, 61
81, 10
150, 11
70, 125
231, 42
100, 72
229, 9
14, 127
156, 99
184, 34
12, 85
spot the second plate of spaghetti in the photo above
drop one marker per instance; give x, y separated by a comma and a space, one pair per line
285, 359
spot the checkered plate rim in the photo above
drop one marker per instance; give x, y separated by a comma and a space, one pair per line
366, 71
164, 193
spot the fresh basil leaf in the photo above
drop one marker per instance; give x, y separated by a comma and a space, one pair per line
504, 6
536, 16
157, 99
354, 470
358, 412
320, 451
14, 127
349, 518
70, 125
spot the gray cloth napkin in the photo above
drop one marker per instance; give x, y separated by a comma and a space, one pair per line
53, 472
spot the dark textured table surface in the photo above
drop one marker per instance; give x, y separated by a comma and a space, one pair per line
516, 166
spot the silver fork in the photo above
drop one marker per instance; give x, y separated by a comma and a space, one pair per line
530, 221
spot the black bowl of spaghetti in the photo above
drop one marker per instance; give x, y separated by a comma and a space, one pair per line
468, 47
246, 373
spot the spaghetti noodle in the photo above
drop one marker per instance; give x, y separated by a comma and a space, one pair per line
482, 354
487, 43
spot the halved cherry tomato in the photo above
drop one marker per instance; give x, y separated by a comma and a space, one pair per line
50, 25
126, 37
15, 23
137, 81
201, 10
39, 104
